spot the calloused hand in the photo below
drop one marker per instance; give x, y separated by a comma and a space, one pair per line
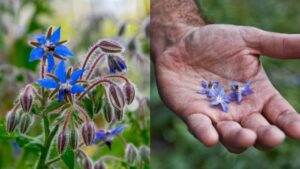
226, 53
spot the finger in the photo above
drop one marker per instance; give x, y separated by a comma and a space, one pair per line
280, 113
235, 138
279, 45
268, 136
201, 127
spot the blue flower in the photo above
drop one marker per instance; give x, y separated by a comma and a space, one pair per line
208, 88
109, 135
240, 90
116, 64
49, 46
65, 85
220, 98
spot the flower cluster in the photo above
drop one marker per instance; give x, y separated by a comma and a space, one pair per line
218, 95
73, 96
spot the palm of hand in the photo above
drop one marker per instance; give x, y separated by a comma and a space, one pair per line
225, 53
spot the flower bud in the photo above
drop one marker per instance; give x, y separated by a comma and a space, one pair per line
25, 123
26, 98
62, 141
74, 139
119, 114
12, 120
145, 153
131, 154
100, 165
88, 133
110, 46
116, 64
129, 91
108, 111
88, 164
116, 96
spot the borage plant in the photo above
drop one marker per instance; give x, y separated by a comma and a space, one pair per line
67, 99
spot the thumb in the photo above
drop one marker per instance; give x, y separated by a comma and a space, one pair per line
277, 45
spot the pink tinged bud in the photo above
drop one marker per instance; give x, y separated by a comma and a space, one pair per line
62, 141
25, 123
88, 164
129, 91
100, 165
119, 114
108, 111
88, 133
74, 139
116, 96
26, 98
131, 154
110, 46
12, 120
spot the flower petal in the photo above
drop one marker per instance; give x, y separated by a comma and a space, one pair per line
75, 75
61, 95
215, 85
117, 130
36, 54
211, 92
239, 97
41, 39
48, 83
214, 102
51, 63
247, 91
224, 106
60, 72
204, 84
63, 51
100, 135
202, 91
77, 88
247, 84
55, 37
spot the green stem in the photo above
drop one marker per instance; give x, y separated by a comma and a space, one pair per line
45, 149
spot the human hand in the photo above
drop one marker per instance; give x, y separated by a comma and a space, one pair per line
226, 53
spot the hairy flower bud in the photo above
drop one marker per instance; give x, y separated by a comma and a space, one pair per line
145, 153
119, 114
116, 96
26, 98
88, 133
25, 123
62, 141
131, 154
12, 121
74, 139
129, 91
110, 46
88, 164
100, 165
108, 111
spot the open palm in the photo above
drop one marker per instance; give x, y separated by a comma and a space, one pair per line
226, 53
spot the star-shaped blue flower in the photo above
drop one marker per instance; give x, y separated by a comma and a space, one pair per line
109, 135
240, 90
220, 98
208, 88
49, 46
66, 85
116, 64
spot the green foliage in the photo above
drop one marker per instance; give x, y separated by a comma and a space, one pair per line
68, 157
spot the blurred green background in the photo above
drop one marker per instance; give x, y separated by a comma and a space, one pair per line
83, 22
172, 145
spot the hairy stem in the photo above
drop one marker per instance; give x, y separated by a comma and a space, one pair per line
89, 54
46, 147
117, 76
94, 84
95, 63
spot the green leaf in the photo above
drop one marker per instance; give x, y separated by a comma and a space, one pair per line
88, 106
29, 143
98, 94
68, 157
52, 106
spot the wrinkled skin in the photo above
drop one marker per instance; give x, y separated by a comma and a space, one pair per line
227, 53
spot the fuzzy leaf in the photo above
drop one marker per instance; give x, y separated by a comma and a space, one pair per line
68, 157
52, 106
98, 94
88, 106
